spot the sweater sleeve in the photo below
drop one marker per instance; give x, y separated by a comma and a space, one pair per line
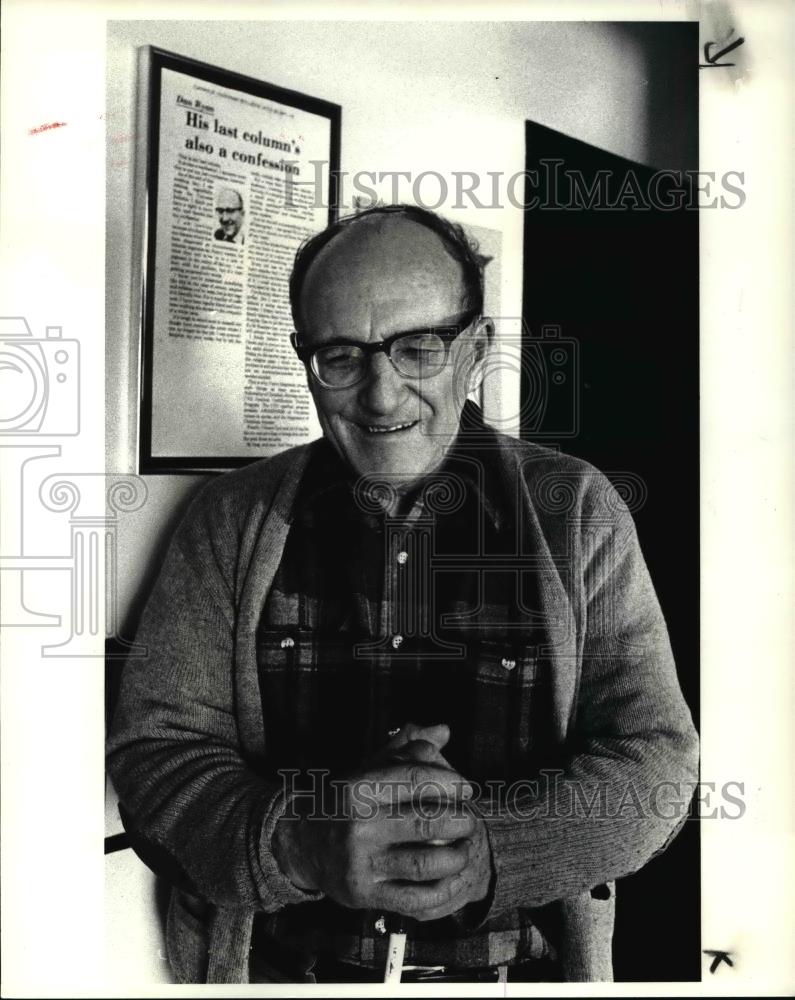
195, 810
632, 754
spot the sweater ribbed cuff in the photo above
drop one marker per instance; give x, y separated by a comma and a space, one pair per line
502, 838
279, 889
474, 915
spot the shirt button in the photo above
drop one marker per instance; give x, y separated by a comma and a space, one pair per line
402, 558
397, 640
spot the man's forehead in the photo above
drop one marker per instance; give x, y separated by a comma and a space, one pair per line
229, 199
382, 259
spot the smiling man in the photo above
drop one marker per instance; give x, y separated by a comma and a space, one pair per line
413, 671
392, 334
230, 212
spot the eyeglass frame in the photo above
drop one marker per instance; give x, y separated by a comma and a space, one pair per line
447, 333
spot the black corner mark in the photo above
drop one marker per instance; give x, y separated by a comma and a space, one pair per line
711, 61
718, 957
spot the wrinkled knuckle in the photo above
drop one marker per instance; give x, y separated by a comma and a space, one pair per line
424, 827
416, 777
419, 864
373, 864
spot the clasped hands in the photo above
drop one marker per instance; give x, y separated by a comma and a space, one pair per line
406, 839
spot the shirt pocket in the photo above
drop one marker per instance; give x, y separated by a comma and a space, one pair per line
507, 708
315, 695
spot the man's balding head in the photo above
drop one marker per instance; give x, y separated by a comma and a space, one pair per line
452, 236
381, 275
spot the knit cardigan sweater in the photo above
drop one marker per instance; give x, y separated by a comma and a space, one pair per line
187, 745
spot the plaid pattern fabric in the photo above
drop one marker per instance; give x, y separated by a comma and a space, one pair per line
374, 621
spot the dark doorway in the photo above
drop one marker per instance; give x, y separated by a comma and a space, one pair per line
611, 273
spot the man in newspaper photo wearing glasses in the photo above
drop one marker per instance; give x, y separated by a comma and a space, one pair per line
392, 680
230, 212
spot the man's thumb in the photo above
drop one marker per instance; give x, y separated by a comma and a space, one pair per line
439, 734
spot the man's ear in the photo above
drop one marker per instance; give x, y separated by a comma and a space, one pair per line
484, 334
480, 347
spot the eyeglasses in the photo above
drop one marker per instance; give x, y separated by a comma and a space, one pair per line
342, 363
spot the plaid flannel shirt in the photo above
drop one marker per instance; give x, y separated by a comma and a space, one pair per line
374, 621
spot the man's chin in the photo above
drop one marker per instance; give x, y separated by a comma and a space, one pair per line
400, 464
401, 473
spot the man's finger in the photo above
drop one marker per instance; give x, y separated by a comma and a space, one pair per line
420, 751
417, 823
438, 734
452, 905
403, 782
415, 863
414, 899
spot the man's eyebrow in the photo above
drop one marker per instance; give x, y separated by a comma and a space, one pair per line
348, 342
427, 328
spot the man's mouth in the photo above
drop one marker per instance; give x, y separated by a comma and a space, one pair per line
388, 428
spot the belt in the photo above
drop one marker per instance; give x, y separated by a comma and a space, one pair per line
328, 969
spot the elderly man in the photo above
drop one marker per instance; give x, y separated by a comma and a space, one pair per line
230, 212
413, 671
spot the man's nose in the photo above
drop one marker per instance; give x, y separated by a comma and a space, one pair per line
382, 388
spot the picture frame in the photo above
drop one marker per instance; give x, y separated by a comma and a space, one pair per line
234, 174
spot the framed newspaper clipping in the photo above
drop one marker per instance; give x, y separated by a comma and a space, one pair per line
238, 173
